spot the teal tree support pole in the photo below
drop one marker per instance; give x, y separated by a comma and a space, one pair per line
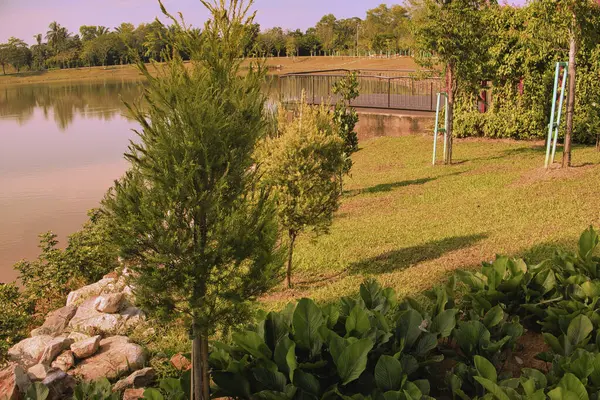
551, 124
435, 129
445, 126
560, 106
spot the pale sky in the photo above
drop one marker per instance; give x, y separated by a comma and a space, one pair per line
25, 18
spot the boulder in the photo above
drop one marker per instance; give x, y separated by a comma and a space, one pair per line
56, 322
60, 385
28, 352
138, 379
132, 316
13, 379
86, 348
105, 285
89, 320
115, 357
108, 303
78, 337
133, 394
64, 361
54, 348
180, 362
38, 372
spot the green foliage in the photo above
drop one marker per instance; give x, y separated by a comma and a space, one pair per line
188, 214
302, 164
15, 317
37, 391
170, 389
100, 389
345, 116
88, 256
359, 346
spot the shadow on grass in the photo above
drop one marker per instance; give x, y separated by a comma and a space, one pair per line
544, 251
388, 187
400, 259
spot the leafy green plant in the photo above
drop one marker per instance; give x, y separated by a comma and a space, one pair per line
359, 347
302, 165
100, 389
171, 389
15, 317
37, 391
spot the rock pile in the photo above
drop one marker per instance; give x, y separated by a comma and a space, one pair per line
86, 340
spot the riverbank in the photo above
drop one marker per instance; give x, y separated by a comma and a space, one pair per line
277, 66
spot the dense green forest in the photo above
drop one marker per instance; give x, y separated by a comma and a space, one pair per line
383, 30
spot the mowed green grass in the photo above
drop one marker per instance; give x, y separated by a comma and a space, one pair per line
410, 224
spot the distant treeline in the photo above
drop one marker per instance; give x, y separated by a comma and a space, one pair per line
383, 30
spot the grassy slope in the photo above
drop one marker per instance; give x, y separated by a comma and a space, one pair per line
409, 224
287, 65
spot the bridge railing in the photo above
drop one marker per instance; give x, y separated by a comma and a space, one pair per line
378, 89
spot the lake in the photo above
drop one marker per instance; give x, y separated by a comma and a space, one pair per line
61, 148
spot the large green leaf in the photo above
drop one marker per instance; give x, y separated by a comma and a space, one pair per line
388, 374
357, 322
485, 369
579, 329
492, 387
471, 280
285, 356
572, 388
493, 317
252, 343
409, 327
587, 243
277, 327
37, 391
332, 314
444, 323
353, 360
426, 343
272, 380
152, 394
307, 321
307, 382
234, 385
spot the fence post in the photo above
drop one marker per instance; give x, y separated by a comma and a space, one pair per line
389, 93
431, 96
312, 78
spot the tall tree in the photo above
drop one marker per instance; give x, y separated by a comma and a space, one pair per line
57, 36
202, 235
303, 163
454, 31
325, 31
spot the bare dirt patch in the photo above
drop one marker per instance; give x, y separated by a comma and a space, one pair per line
555, 172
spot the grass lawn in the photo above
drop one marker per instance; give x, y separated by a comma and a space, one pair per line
410, 224
278, 65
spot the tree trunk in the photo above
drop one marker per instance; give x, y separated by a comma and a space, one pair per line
566, 162
292, 235
200, 376
450, 87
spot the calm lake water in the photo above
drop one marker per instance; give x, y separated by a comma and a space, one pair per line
61, 148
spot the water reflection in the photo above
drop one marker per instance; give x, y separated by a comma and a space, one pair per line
63, 102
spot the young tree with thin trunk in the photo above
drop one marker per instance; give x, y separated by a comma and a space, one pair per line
189, 214
303, 164
454, 31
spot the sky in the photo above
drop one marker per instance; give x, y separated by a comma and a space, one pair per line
25, 18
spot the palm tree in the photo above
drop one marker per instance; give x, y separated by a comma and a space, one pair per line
56, 35
38, 38
102, 30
